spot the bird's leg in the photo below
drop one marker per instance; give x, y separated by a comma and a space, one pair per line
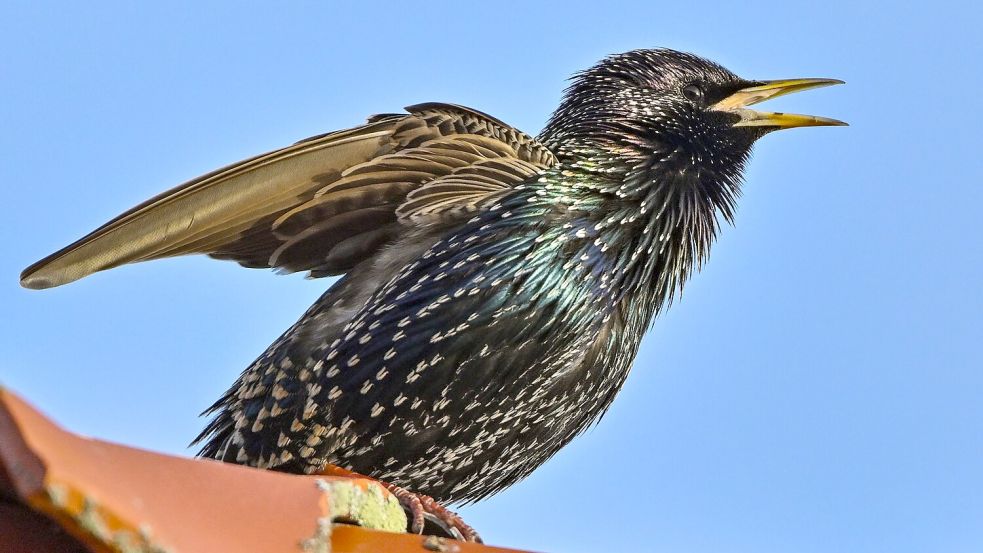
418, 505
422, 505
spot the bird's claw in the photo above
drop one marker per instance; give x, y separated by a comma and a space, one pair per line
423, 508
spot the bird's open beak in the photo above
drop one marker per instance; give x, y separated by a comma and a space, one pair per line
737, 103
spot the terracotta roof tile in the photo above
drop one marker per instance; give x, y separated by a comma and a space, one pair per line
116, 498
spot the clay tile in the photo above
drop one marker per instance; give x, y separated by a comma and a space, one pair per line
62, 492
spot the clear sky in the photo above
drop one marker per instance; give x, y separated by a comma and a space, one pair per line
819, 387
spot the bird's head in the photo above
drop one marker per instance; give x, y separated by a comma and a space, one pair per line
671, 118
658, 140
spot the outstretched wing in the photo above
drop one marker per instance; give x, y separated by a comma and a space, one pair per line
321, 205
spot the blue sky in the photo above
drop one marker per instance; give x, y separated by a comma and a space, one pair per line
818, 387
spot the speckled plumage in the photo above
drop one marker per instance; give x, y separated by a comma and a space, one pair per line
496, 287
497, 344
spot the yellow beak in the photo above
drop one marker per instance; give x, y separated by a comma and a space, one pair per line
737, 103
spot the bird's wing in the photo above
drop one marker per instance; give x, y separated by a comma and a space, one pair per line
322, 204
464, 190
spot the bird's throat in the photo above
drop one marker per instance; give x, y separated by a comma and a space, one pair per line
653, 228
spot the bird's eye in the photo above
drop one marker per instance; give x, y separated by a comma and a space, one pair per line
693, 93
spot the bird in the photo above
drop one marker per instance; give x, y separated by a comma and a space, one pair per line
493, 287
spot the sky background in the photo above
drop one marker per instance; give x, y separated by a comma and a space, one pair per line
818, 388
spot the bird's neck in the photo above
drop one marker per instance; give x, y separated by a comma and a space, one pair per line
653, 221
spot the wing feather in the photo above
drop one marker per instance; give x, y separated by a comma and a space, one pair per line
323, 204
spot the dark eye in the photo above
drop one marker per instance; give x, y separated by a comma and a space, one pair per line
693, 93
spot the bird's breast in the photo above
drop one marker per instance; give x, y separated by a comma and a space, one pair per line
480, 357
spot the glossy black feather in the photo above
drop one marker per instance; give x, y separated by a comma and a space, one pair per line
476, 343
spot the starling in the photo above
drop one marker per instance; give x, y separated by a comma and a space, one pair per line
495, 287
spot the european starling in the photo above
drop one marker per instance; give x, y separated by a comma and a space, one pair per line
495, 286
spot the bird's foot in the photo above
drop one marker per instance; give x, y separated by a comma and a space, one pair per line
422, 508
